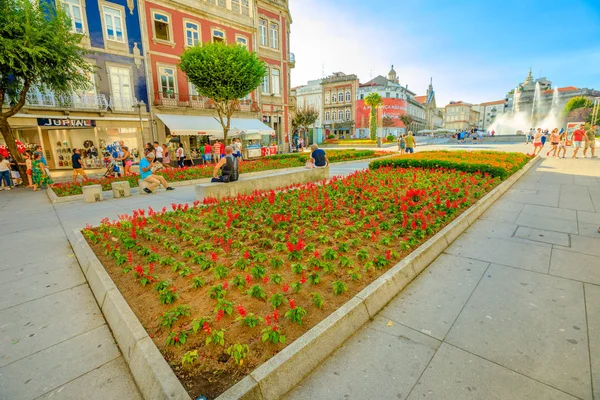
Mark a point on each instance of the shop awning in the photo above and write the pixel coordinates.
(204, 125)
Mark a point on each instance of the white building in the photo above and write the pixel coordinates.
(310, 95)
(489, 112)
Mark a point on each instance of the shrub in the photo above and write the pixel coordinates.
(331, 136)
(391, 138)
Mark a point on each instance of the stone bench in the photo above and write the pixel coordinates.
(247, 185)
(121, 189)
(92, 193)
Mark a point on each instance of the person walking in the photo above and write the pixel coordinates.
(77, 167)
(127, 161)
(544, 136)
(401, 144)
(562, 143)
(591, 142)
(152, 181)
(5, 173)
(217, 151)
(537, 142)
(207, 153)
(226, 169)
(166, 156)
(158, 152)
(180, 154)
(411, 143)
(579, 139)
(554, 141)
(40, 179)
(28, 165)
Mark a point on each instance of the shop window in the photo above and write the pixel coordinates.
(242, 41)
(348, 96)
(192, 34)
(262, 32)
(161, 27)
(120, 84)
(275, 81)
(167, 82)
(274, 33)
(265, 84)
(218, 36)
(113, 20)
(75, 12)
(341, 97)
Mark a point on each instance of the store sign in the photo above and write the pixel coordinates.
(388, 114)
(73, 123)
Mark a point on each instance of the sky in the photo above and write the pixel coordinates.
(475, 50)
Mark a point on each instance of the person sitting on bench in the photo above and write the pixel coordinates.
(153, 181)
(228, 166)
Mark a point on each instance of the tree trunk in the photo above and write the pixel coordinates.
(10, 140)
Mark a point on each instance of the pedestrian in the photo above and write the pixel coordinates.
(28, 163)
(77, 167)
(493, 132)
(180, 154)
(579, 139)
(537, 142)
(544, 137)
(148, 148)
(217, 151)
(5, 173)
(226, 169)
(207, 152)
(318, 158)
(158, 152)
(152, 181)
(591, 142)
(127, 160)
(411, 143)
(38, 149)
(554, 141)
(401, 144)
(40, 179)
(166, 156)
(15, 174)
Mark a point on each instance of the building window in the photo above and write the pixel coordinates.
(193, 91)
(75, 13)
(221, 3)
(167, 82)
(242, 41)
(327, 116)
(348, 96)
(341, 115)
(218, 36)
(362, 96)
(114, 24)
(265, 83)
(235, 6)
(161, 27)
(348, 115)
(326, 99)
(274, 32)
(387, 94)
(192, 34)
(397, 95)
(262, 32)
(340, 97)
(275, 81)
(333, 97)
(245, 7)
(120, 85)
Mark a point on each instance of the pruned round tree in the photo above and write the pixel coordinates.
(224, 74)
(37, 48)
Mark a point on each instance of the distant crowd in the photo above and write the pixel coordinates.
(581, 138)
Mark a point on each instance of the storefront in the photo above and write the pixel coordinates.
(60, 135)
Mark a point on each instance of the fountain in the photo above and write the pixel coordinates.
(536, 104)
(552, 120)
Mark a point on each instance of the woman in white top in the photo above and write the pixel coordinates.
(4, 173)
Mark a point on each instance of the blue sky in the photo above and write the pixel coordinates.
(475, 50)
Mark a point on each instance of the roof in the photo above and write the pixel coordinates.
(421, 99)
(491, 103)
(458, 103)
(562, 89)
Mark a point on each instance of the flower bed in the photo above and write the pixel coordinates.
(205, 171)
(221, 288)
(498, 164)
(355, 142)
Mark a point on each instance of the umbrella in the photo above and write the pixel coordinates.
(424, 131)
(443, 130)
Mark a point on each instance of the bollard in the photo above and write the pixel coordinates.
(121, 189)
(92, 193)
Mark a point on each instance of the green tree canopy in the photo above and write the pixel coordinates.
(305, 117)
(575, 103)
(37, 48)
(406, 120)
(223, 73)
(373, 101)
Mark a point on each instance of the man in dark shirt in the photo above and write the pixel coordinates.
(227, 166)
(318, 157)
(77, 167)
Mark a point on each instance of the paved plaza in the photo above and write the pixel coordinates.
(511, 310)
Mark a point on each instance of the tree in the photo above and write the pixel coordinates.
(305, 117)
(406, 120)
(575, 103)
(37, 48)
(373, 101)
(224, 74)
(579, 115)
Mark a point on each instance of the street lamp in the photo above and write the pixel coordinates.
(139, 104)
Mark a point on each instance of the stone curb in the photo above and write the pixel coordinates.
(273, 379)
(284, 371)
(151, 372)
(54, 199)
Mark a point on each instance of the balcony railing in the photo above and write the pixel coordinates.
(122, 103)
(37, 98)
(174, 100)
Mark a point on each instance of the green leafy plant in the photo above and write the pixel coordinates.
(217, 337)
(272, 334)
(296, 315)
(276, 300)
(339, 287)
(257, 291)
(239, 352)
(198, 282)
(189, 357)
(317, 300)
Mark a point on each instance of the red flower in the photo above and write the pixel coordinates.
(241, 310)
(275, 328)
(139, 270)
(213, 256)
(316, 254)
(206, 328)
(266, 279)
(226, 285)
(276, 315)
(292, 303)
(388, 255)
(285, 287)
(268, 320)
(290, 247)
(248, 279)
(220, 315)
(129, 257)
(303, 280)
(246, 254)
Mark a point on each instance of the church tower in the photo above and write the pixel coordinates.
(392, 76)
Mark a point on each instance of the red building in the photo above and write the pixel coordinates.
(262, 26)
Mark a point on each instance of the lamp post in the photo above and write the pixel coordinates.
(139, 104)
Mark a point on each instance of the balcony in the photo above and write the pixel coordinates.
(73, 101)
(122, 104)
(292, 61)
(198, 102)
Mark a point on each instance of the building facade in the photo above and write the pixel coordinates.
(339, 104)
(311, 95)
(489, 112)
(261, 26)
(460, 116)
(433, 118)
(108, 110)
